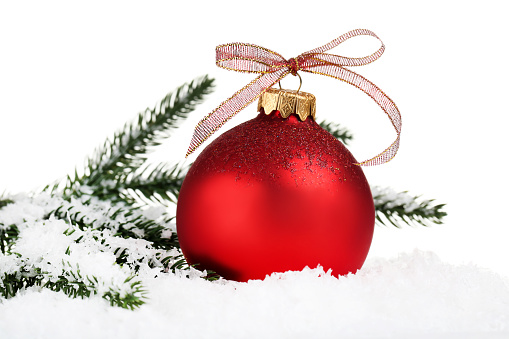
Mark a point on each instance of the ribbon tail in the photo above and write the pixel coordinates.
(385, 103)
(350, 61)
(230, 107)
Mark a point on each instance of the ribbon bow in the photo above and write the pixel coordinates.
(272, 67)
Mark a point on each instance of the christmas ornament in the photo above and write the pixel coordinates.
(278, 192)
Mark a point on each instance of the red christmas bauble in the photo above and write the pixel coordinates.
(275, 194)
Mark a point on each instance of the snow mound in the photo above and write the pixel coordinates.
(415, 295)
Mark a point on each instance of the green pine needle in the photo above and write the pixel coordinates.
(401, 208)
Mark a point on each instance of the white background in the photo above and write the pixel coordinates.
(72, 74)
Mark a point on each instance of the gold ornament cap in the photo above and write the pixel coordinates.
(288, 102)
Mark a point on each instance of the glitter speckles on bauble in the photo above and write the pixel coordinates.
(275, 194)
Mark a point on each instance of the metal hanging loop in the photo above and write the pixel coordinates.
(300, 83)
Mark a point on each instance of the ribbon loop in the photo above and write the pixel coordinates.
(272, 67)
(248, 58)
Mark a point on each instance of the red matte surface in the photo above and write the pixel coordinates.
(273, 195)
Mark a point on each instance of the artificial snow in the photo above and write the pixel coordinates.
(415, 295)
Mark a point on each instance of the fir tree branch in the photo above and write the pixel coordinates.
(130, 300)
(402, 208)
(73, 284)
(100, 208)
(71, 281)
(124, 221)
(338, 132)
(121, 157)
(161, 185)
